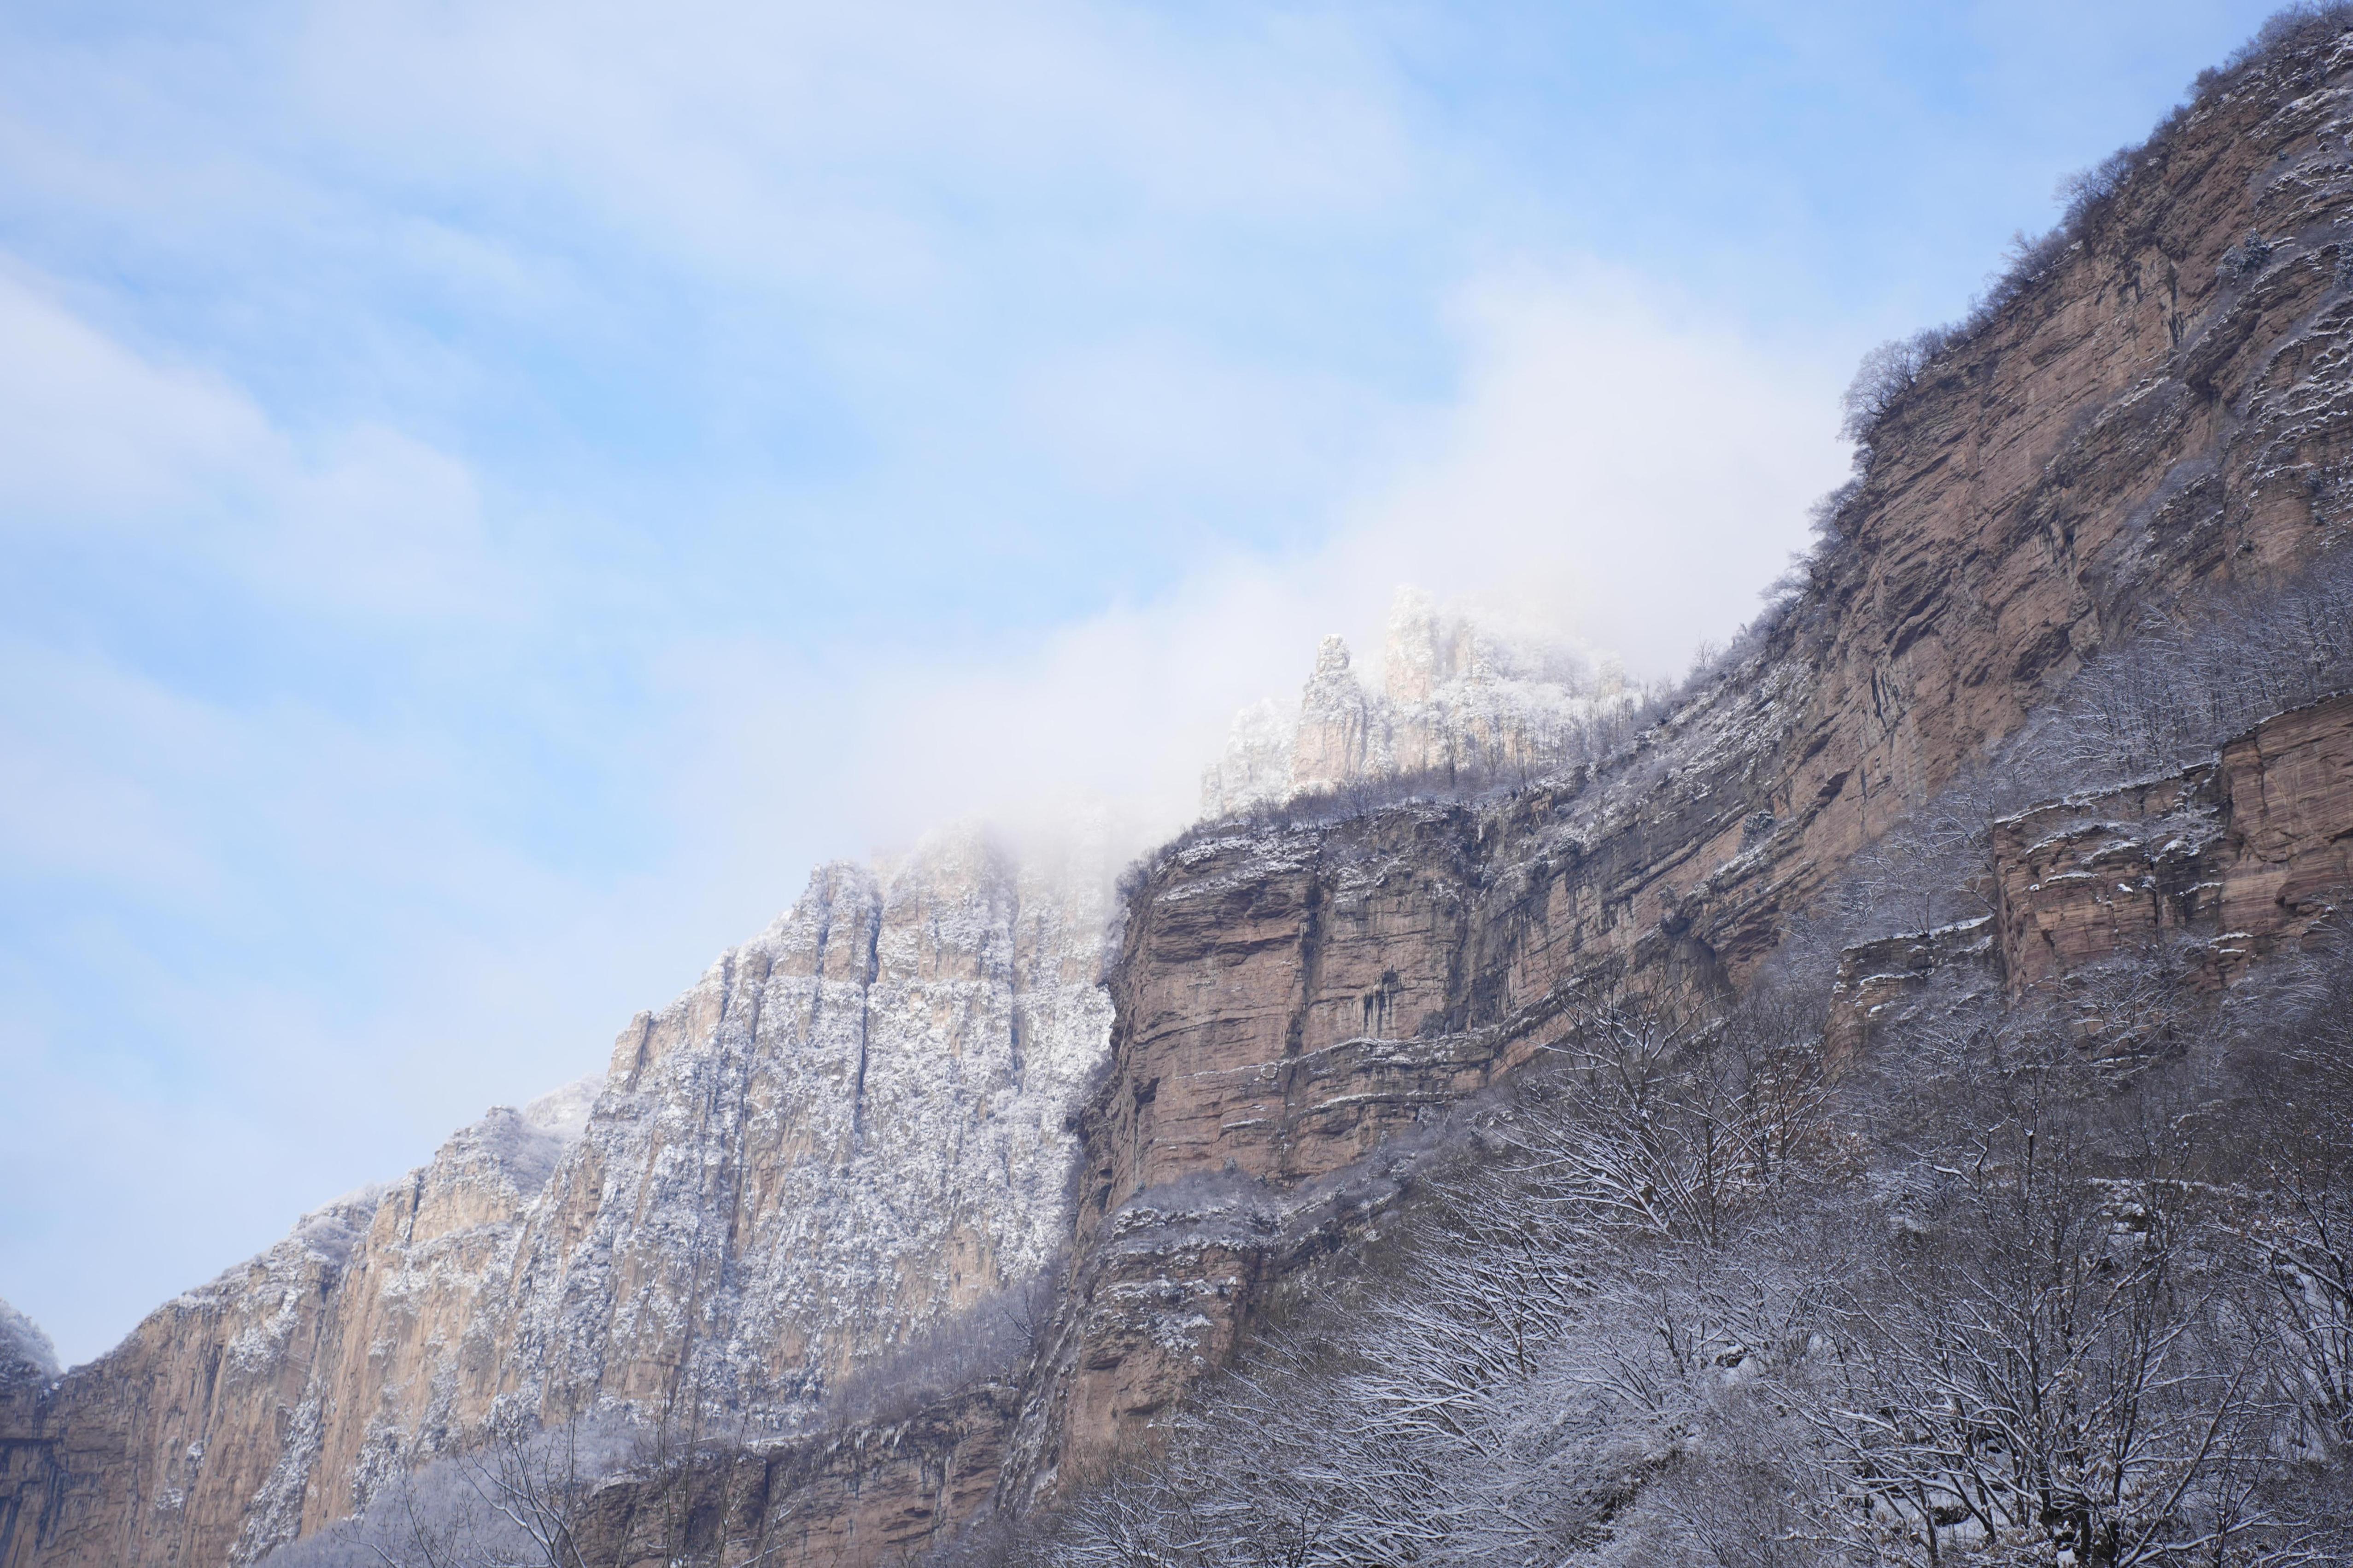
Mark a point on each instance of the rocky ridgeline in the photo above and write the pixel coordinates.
(27, 1357)
(1300, 1001)
(1458, 699)
(28, 1364)
(862, 1120)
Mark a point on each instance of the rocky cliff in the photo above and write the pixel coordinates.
(2216, 866)
(859, 1120)
(28, 1364)
(853, 1125)
(2244, 853)
(2159, 402)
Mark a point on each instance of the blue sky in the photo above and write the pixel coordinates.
(490, 494)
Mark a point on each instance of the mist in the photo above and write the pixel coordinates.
(1615, 472)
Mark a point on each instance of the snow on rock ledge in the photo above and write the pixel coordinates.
(854, 1123)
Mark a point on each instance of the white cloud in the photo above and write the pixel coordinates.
(1613, 468)
(1618, 467)
(98, 442)
(778, 141)
(87, 428)
(1147, 417)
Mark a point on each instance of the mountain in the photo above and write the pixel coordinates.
(2059, 689)
(853, 1124)
(1460, 699)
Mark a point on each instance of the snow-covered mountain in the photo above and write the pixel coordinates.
(1457, 697)
(874, 1113)
(853, 1125)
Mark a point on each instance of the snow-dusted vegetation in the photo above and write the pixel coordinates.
(26, 1353)
(1697, 1296)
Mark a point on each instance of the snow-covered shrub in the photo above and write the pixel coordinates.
(1881, 381)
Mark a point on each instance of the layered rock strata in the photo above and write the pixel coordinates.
(2167, 404)
(1887, 977)
(852, 1126)
(28, 1364)
(2243, 854)
(2230, 861)
(883, 1491)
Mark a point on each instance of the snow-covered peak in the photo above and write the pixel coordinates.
(853, 1123)
(26, 1353)
(1458, 694)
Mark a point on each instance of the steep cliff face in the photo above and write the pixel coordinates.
(855, 1123)
(26, 1356)
(2243, 855)
(2165, 403)
(175, 1445)
(883, 1491)
(28, 1364)
(2220, 866)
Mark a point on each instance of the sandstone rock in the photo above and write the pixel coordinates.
(2158, 409)
(26, 1356)
(2245, 853)
(882, 1493)
(28, 1363)
(854, 1124)
(1876, 978)
(2163, 406)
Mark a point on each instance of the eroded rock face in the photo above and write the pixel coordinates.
(175, 1445)
(852, 1125)
(2242, 855)
(855, 1123)
(28, 1363)
(2228, 862)
(880, 1492)
(26, 1356)
(1885, 977)
(2167, 405)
